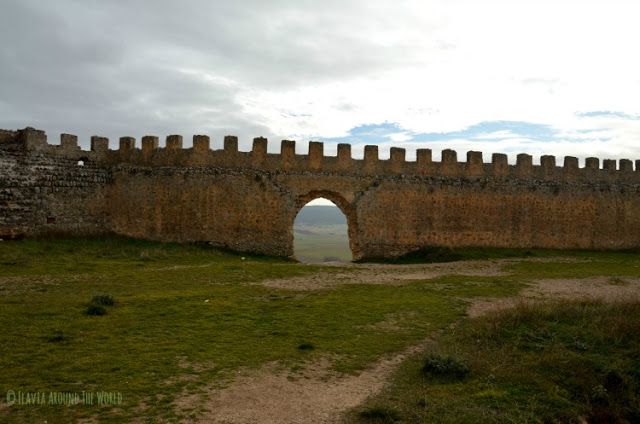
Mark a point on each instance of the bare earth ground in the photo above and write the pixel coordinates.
(603, 288)
(314, 395)
(318, 395)
(386, 274)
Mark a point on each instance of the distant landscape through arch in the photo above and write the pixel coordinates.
(321, 233)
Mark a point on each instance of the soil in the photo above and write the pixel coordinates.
(386, 274)
(595, 288)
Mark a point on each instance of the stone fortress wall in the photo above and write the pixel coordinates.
(247, 201)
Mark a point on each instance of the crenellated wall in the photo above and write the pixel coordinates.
(248, 200)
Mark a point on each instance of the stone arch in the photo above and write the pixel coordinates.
(347, 208)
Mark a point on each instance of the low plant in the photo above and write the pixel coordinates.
(57, 337)
(98, 303)
(306, 346)
(95, 310)
(103, 300)
(445, 367)
(380, 414)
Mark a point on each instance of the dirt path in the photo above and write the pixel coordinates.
(318, 395)
(314, 395)
(386, 274)
(608, 289)
(349, 273)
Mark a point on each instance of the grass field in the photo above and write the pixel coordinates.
(557, 363)
(188, 317)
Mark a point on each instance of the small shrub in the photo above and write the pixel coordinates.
(95, 310)
(57, 337)
(599, 395)
(306, 346)
(380, 414)
(103, 299)
(617, 281)
(614, 382)
(446, 367)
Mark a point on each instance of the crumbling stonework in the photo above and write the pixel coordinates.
(247, 201)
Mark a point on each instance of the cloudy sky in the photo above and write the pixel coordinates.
(556, 77)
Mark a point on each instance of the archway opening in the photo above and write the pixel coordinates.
(321, 233)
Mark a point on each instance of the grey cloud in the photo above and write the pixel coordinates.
(135, 67)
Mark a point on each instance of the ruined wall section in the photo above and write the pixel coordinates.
(238, 210)
(248, 200)
(405, 214)
(44, 190)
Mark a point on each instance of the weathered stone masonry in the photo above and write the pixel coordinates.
(247, 201)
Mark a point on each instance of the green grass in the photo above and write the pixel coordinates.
(553, 363)
(587, 264)
(187, 317)
(188, 310)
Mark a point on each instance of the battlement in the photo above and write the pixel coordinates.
(149, 154)
(248, 201)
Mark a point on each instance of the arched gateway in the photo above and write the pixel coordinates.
(247, 201)
(345, 207)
